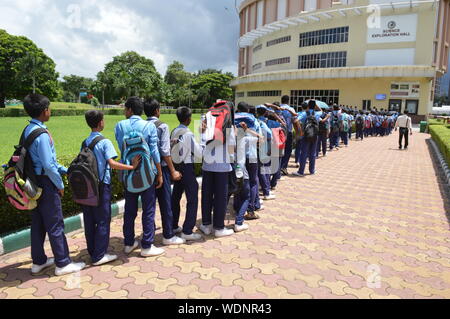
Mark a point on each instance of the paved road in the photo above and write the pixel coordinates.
(370, 224)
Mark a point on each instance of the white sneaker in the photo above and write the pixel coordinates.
(152, 251)
(223, 232)
(129, 249)
(191, 237)
(206, 229)
(260, 208)
(239, 228)
(106, 259)
(70, 268)
(179, 230)
(175, 240)
(36, 269)
(270, 197)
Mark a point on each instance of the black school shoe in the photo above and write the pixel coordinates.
(251, 216)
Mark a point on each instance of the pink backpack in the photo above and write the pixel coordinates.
(19, 179)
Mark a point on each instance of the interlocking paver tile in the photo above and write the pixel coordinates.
(182, 292)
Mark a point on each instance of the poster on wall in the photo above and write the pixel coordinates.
(396, 28)
(405, 89)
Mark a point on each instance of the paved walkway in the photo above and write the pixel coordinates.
(370, 224)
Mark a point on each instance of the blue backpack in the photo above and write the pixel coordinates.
(134, 144)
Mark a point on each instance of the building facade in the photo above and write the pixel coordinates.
(363, 53)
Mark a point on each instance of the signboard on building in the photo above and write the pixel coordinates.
(396, 28)
(380, 97)
(405, 89)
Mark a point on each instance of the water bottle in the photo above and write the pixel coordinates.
(239, 172)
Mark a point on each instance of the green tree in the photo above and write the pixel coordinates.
(176, 75)
(209, 87)
(24, 68)
(74, 84)
(131, 74)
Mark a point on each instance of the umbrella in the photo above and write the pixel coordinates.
(322, 105)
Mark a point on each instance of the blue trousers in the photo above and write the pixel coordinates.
(334, 140)
(241, 202)
(287, 150)
(298, 150)
(264, 178)
(47, 218)
(344, 137)
(308, 151)
(164, 195)
(214, 198)
(359, 133)
(97, 222)
(189, 185)
(252, 169)
(321, 144)
(275, 177)
(148, 198)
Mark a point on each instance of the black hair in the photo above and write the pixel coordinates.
(252, 109)
(183, 114)
(35, 104)
(406, 112)
(151, 106)
(304, 106)
(285, 99)
(312, 104)
(336, 107)
(93, 118)
(243, 107)
(135, 104)
(261, 111)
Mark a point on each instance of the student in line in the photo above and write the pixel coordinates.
(264, 152)
(359, 124)
(185, 152)
(335, 127)
(97, 220)
(290, 116)
(47, 218)
(164, 194)
(298, 147)
(134, 108)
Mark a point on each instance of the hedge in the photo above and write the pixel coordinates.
(441, 135)
(12, 220)
(77, 112)
(436, 122)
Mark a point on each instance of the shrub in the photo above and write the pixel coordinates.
(441, 135)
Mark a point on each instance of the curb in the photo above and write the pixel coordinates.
(442, 161)
(22, 239)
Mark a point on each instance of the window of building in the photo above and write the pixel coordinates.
(257, 66)
(257, 48)
(328, 96)
(240, 94)
(310, 5)
(323, 60)
(279, 40)
(263, 93)
(260, 13)
(326, 36)
(282, 8)
(278, 61)
(367, 104)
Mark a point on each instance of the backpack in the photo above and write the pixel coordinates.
(20, 180)
(311, 127)
(359, 122)
(335, 128)
(343, 125)
(385, 124)
(219, 119)
(279, 137)
(323, 126)
(134, 144)
(83, 175)
(368, 122)
(176, 139)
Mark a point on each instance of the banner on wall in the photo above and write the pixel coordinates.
(396, 28)
(405, 89)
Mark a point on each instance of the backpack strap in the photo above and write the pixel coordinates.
(33, 136)
(94, 142)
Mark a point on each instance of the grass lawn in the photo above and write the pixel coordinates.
(60, 105)
(68, 133)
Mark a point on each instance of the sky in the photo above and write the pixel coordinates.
(81, 36)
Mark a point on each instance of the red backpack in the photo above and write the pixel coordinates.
(279, 137)
(222, 112)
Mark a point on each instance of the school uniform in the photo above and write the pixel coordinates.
(350, 124)
(241, 200)
(264, 157)
(184, 156)
(289, 118)
(298, 147)
(323, 137)
(47, 218)
(344, 135)
(252, 167)
(309, 149)
(360, 130)
(216, 168)
(334, 135)
(97, 220)
(148, 196)
(276, 158)
(164, 194)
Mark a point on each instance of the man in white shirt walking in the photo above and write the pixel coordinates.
(404, 123)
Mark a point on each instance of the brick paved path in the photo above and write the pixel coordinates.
(370, 208)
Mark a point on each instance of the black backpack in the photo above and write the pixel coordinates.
(359, 122)
(335, 124)
(311, 127)
(83, 176)
(323, 126)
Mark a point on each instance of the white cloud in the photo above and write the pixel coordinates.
(82, 36)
